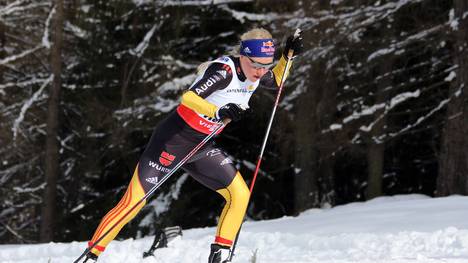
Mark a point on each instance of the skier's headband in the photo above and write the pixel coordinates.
(258, 48)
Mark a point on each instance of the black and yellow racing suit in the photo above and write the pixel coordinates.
(220, 83)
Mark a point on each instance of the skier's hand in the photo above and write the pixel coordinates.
(230, 111)
(295, 44)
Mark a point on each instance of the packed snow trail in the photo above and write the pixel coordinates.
(399, 229)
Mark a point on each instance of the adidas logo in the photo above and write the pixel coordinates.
(247, 50)
(225, 161)
(152, 180)
(222, 73)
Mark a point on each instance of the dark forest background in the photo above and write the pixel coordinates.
(376, 105)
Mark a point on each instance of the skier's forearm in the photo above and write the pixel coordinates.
(198, 104)
(279, 69)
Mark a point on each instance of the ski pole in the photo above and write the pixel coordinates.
(155, 187)
(265, 139)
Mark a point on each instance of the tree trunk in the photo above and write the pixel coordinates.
(375, 147)
(306, 193)
(375, 162)
(52, 144)
(453, 163)
(314, 177)
(326, 111)
(2, 47)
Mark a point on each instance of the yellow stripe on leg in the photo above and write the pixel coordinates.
(237, 197)
(133, 194)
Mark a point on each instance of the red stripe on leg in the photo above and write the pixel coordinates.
(100, 248)
(223, 241)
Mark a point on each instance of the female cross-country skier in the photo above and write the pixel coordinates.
(221, 90)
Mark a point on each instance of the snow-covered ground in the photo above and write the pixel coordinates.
(403, 229)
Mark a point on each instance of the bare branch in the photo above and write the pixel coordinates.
(28, 104)
(204, 2)
(140, 49)
(45, 36)
(21, 55)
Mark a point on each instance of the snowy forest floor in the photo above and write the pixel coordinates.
(403, 229)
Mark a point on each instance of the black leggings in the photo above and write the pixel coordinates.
(171, 141)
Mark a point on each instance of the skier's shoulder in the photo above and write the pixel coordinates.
(229, 60)
(222, 67)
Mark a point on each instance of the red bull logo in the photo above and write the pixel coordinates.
(268, 47)
(268, 44)
(166, 158)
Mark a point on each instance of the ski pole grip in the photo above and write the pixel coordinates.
(226, 121)
(297, 33)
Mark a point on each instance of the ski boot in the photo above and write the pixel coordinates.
(90, 258)
(216, 253)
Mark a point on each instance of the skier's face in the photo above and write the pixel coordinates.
(255, 68)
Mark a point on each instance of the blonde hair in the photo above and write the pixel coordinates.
(255, 33)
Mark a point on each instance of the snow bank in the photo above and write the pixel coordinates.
(403, 229)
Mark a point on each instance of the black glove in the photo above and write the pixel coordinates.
(294, 44)
(231, 110)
